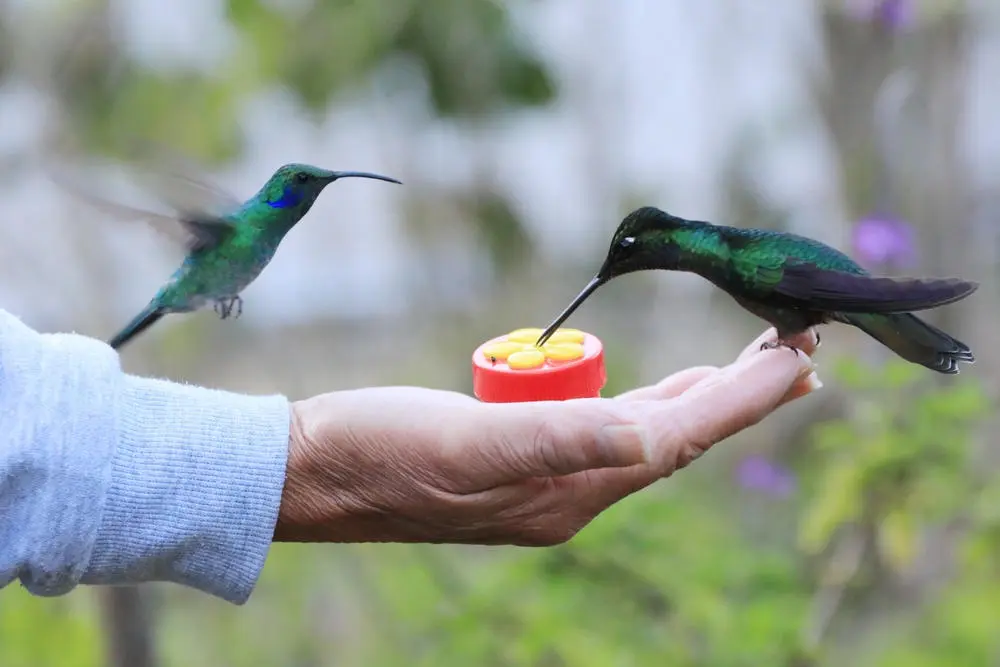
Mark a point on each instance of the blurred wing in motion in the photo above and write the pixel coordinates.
(180, 183)
(197, 219)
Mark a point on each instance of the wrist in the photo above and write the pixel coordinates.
(314, 501)
(293, 510)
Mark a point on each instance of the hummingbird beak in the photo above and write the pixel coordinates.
(335, 175)
(591, 287)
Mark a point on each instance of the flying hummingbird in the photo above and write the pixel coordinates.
(790, 281)
(227, 248)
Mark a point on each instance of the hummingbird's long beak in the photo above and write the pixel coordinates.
(594, 283)
(334, 175)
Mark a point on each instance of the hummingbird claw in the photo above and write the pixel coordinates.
(224, 307)
(775, 344)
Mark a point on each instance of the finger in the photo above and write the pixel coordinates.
(802, 387)
(754, 347)
(517, 441)
(808, 342)
(805, 341)
(722, 405)
(669, 387)
(679, 382)
(728, 372)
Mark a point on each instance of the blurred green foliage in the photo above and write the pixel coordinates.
(468, 54)
(901, 460)
(44, 632)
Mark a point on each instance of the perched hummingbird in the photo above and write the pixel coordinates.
(227, 250)
(790, 281)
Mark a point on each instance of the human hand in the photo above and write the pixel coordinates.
(405, 464)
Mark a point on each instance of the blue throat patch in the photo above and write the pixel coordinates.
(289, 198)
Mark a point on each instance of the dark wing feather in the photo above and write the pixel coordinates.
(205, 234)
(824, 289)
(191, 228)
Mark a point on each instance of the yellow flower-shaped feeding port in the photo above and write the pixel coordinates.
(517, 350)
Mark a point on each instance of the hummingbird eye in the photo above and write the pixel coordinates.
(302, 177)
(626, 242)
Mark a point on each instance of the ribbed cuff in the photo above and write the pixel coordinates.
(196, 486)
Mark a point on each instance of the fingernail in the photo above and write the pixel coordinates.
(813, 382)
(807, 366)
(802, 388)
(629, 438)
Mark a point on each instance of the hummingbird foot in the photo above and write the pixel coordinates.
(775, 344)
(224, 307)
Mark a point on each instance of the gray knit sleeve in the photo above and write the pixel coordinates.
(107, 478)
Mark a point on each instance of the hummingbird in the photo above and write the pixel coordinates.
(792, 282)
(228, 248)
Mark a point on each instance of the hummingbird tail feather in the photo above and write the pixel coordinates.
(147, 318)
(914, 340)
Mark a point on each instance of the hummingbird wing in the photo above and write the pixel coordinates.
(202, 209)
(181, 184)
(194, 225)
(840, 291)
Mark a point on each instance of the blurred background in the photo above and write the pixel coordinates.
(858, 526)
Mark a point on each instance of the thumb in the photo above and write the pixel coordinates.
(548, 439)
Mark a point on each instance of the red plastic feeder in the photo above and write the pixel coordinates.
(511, 369)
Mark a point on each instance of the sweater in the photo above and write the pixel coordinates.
(110, 478)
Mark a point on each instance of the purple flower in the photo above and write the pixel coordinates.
(891, 14)
(882, 240)
(756, 473)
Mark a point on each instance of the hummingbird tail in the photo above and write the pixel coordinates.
(147, 318)
(914, 340)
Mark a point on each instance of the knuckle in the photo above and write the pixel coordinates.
(687, 455)
(544, 446)
(693, 435)
(696, 433)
